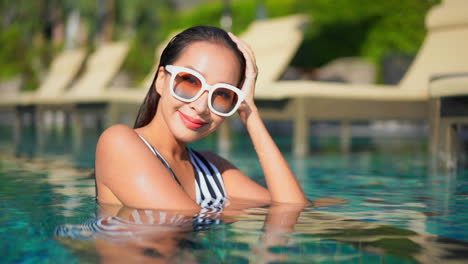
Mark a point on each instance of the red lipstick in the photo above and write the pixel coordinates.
(191, 122)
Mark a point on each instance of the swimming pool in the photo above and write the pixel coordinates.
(399, 210)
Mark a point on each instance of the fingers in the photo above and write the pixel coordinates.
(247, 51)
(251, 72)
(244, 48)
(251, 67)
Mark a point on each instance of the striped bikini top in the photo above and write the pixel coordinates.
(141, 222)
(209, 184)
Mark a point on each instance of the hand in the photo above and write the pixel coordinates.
(251, 72)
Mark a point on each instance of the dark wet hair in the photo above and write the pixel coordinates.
(172, 52)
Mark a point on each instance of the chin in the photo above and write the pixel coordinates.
(189, 137)
(186, 135)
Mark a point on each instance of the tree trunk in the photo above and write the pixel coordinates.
(108, 27)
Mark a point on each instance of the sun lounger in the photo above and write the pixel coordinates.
(448, 114)
(274, 42)
(101, 68)
(270, 62)
(137, 94)
(443, 52)
(62, 71)
(455, 84)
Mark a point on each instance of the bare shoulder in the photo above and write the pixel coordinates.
(117, 134)
(128, 172)
(117, 145)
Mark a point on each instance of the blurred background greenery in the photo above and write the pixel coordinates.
(32, 32)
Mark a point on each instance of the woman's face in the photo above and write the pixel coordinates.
(192, 121)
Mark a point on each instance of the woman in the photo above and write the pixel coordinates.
(204, 76)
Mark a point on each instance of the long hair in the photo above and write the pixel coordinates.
(170, 54)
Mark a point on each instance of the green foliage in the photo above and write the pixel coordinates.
(11, 60)
(387, 231)
(277, 8)
(400, 247)
(139, 60)
(338, 28)
(369, 29)
(156, 23)
(402, 31)
(17, 31)
(243, 13)
(151, 22)
(329, 41)
(208, 14)
(17, 58)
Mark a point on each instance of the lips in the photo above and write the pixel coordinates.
(191, 122)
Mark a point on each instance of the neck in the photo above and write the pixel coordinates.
(158, 134)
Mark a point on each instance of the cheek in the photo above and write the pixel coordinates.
(168, 105)
(169, 101)
(216, 122)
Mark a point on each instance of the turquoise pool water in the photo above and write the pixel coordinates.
(399, 209)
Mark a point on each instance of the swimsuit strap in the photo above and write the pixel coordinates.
(210, 188)
(209, 184)
(161, 158)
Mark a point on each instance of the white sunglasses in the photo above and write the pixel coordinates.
(188, 85)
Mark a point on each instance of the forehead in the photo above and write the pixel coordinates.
(216, 62)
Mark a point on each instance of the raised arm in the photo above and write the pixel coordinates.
(282, 184)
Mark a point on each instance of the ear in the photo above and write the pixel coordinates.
(160, 81)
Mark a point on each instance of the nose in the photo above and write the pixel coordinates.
(201, 104)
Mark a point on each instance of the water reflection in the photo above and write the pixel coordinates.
(127, 234)
(395, 202)
(66, 143)
(256, 235)
(277, 233)
(131, 235)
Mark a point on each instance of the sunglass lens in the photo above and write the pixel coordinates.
(223, 100)
(186, 85)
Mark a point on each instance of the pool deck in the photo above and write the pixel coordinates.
(419, 96)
